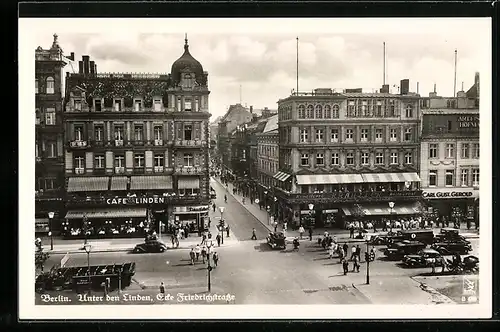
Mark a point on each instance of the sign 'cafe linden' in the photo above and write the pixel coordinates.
(135, 200)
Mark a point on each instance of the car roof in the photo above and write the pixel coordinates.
(450, 229)
(430, 251)
(417, 231)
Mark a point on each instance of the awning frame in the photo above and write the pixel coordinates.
(87, 183)
(108, 213)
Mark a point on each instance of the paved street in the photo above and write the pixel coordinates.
(255, 274)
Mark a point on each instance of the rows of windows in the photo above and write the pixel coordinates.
(467, 150)
(47, 149)
(48, 119)
(139, 162)
(49, 86)
(186, 131)
(268, 165)
(468, 177)
(350, 158)
(270, 150)
(319, 111)
(349, 135)
(47, 183)
(285, 112)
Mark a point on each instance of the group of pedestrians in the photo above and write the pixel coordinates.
(203, 251)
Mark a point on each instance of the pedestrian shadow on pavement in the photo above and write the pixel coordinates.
(321, 259)
(333, 263)
(340, 274)
(184, 264)
(316, 250)
(263, 247)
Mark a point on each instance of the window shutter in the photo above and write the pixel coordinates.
(178, 130)
(180, 160)
(197, 130)
(196, 160)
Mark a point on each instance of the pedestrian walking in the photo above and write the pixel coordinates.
(345, 266)
(330, 251)
(358, 251)
(254, 235)
(203, 238)
(301, 231)
(227, 230)
(285, 228)
(197, 251)
(275, 226)
(345, 247)
(341, 254)
(355, 264)
(243, 200)
(162, 288)
(215, 258)
(203, 253)
(351, 231)
(218, 238)
(353, 252)
(209, 222)
(310, 233)
(225, 198)
(192, 255)
(213, 206)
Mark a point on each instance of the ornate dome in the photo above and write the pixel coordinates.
(186, 63)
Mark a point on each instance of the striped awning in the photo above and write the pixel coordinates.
(41, 221)
(281, 176)
(107, 213)
(390, 177)
(328, 179)
(119, 183)
(385, 210)
(188, 183)
(151, 182)
(90, 183)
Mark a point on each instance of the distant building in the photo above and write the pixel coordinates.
(345, 156)
(450, 155)
(267, 160)
(49, 151)
(136, 149)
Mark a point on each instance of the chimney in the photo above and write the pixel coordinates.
(95, 68)
(476, 78)
(251, 109)
(417, 88)
(80, 67)
(72, 56)
(92, 67)
(405, 87)
(385, 88)
(86, 69)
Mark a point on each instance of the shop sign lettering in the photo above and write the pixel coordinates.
(449, 194)
(468, 121)
(135, 200)
(348, 196)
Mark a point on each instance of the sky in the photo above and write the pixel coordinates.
(255, 60)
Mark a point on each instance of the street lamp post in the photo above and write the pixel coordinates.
(88, 248)
(391, 205)
(311, 208)
(209, 267)
(275, 212)
(367, 257)
(268, 209)
(51, 216)
(221, 209)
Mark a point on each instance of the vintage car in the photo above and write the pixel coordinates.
(422, 235)
(276, 240)
(451, 248)
(424, 258)
(398, 250)
(150, 246)
(450, 235)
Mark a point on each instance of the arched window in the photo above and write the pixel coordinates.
(319, 112)
(50, 85)
(328, 111)
(310, 111)
(335, 111)
(302, 112)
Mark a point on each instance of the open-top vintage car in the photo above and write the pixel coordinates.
(277, 240)
(424, 258)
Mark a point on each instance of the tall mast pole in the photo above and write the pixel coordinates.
(297, 65)
(455, 77)
(384, 64)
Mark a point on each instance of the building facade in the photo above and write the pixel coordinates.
(49, 152)
(450, 156)
(136, 150)
(347, 155)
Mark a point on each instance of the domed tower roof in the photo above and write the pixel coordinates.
(186, 63)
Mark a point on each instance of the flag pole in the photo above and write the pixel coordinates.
(297, 65)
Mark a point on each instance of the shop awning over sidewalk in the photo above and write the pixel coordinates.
(281, 176)
(188, 183)
(89, 183)
(390, 177)
(107, 213)
(385, 210)
(119, 183)
(151, 182)
(328, 179)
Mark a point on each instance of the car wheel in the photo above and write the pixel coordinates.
(162, 249)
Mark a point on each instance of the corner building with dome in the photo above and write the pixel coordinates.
(136, 150)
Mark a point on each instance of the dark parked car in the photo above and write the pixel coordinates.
(398, 250)
(424, 258)
(150, 246)
(450, 235)
(451, 248)
(277, 240)
(422, 235)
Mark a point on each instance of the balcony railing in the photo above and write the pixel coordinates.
(79, 170)
(118, 142)
(138, 170)
(158, 142)
(138, 142)
(78, 144)
(190, 143)
(355, 196)
(186, 170)
(159, 169)
(119, 170)
(99, 171)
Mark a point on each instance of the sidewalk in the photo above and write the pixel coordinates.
(342, 234)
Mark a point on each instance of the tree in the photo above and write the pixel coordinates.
(40, 259)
